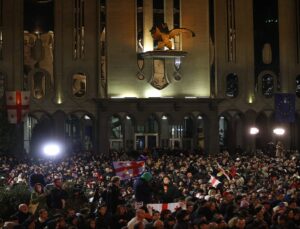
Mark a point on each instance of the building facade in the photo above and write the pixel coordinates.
(97, 84)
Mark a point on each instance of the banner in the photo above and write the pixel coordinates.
(167, 206)
(285, 107)
(17, 105)
(128, 169)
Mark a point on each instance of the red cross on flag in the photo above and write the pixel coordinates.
(17, 104)
(167, 206)
(128, 169)
(214, 181)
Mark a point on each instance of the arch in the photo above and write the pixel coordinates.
(239, 128)
(263, 138)
(165, 123)
(224, 131)
(129, 130)
(79, 84)
(267, 83)
(152, 124)
(88, 131)
(29, 125)
(298, 86)
(202, 125)
(232, 85)
(39, 81)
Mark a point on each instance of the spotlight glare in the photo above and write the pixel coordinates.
(254, 130)
(51, 149)
(279, 131)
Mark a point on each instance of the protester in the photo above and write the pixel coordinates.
(38, 199)
(142, 189)
(251, 191)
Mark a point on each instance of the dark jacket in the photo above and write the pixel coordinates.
(142, 191)
(170, 195)
(55, 198)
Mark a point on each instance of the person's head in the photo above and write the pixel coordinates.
(240, 223)
(92, 223)
(58, 182)
(60, 222)
(121, 209)
(140, 214)
(166, 180)
(158, 224)
(23, 208)
(43, 214)
(102, 209)
(155, 215)
(116, 180)
(38, 188)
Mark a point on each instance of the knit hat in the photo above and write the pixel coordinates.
(146, 176)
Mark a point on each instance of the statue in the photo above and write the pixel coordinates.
(163, 35)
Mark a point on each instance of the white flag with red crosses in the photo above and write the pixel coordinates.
(17, 105)
(167, 206)
(128, 169)
(214, 181)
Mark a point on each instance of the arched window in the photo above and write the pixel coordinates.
(267, 85)
(29, 124)
(79, 84)
(188, 131)
(232, 85)
(116, 127)
(152, 125)
(72, 132)
(223, 126)
(39, 84)
(298, 85)
(188, 127)
(87, 132)
(200, 133)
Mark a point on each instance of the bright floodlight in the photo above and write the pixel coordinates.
(51, 149)
(279, 131)
(254, 130)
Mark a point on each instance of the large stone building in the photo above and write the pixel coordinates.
(96, 83)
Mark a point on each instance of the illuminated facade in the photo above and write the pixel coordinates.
(93, 86)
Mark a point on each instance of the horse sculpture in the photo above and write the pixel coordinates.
(163, 35)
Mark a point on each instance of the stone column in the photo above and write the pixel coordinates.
(287, 44)
(213, 133)
(148, 23)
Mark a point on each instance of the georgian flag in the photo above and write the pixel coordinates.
(167, 206)
(128, 169)
(17, 104)
(214, 181)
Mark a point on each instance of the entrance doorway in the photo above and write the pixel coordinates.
(143, 141)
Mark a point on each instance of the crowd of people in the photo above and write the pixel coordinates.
(83, 191)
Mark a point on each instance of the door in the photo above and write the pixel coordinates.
(148, 141)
